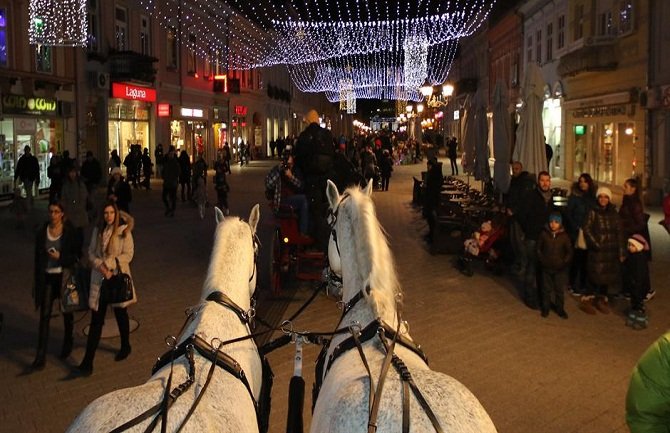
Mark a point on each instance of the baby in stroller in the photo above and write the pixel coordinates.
(482, 244)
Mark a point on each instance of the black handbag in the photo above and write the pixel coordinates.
(118, 288)
(74, 290)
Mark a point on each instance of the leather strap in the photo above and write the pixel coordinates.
(376, 402)
(223, 300)
(405, 407)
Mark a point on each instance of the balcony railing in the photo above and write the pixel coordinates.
(599, 53)
(131, 66)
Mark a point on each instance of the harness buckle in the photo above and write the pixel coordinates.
(171, 341)
(355, 328)
(216, 347)
(287, 327)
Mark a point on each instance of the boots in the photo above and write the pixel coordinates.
(42, 341)
(602, 305)
(68, 322)
(94, 334)
(586, 305)
(123, 322)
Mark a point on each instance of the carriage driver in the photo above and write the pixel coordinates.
(284, 184)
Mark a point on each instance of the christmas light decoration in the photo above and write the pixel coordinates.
(250, 34)
(57, 23)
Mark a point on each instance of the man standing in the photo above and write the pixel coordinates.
(28, 171)
(520, 186)
(533, 216)
(170, 182)
(431, 199)
(158, 157)
(314, 156)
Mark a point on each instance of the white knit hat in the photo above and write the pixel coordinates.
(603, 190)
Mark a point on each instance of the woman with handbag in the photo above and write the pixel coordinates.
(110, 253)
(581, 200)
(55, 251)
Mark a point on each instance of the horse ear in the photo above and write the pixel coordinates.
(218, 215)
(254, 216)
(333, 194)
(368, 188)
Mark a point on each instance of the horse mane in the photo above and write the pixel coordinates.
(228, 262)
(376, 263)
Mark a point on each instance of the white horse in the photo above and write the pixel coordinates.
(359, 253)
(226, 406)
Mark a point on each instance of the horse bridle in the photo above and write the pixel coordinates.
(332, 215)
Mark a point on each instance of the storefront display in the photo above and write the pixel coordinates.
(27, 122)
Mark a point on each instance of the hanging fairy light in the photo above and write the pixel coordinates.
(266, 33)
(57, 23)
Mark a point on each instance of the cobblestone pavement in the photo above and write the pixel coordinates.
(531, 374)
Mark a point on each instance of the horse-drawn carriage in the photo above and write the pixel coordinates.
(371, 333)
(292, 253)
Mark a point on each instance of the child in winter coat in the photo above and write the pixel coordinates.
(221, 186)
(635, 274)
(554, 252)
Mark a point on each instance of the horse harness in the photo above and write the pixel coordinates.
(377, 328)
(187, 348)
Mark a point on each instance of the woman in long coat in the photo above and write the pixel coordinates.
(112, 241)
(582, 199)
(55, 252)
(605, 243)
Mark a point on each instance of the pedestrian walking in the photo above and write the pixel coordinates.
(185, 176)
(55, 178)
(222, 188)
(74, 197)
(452, 153)
(28, 172)
(111, 251)
(118, 190)
(171, 177)
(554, 252)
(147, 169)
(158, 156)
(55, 251)
(114, 161)
(385, 169)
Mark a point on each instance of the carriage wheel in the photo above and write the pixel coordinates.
(276, 265)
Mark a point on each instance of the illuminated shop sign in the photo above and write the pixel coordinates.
(19, 104)
(164, 110)
(191, 112)
(580, 129)
(241, 110)
(135, 93)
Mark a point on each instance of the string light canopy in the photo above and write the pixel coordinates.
(246, 34)
(57, 23)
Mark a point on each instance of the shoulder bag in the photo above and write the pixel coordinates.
(118, 288)
(74, 291)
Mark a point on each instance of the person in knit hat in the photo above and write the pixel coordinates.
(554, 252)
(605, 245)
(635, 276)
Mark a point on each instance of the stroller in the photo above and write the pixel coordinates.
(483, 244)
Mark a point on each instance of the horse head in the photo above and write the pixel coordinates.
(358, 251)
(234, 255)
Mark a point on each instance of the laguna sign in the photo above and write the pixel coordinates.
(135, 93)
(19, 104)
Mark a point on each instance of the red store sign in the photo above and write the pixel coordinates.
(135, 93)
(241, 110)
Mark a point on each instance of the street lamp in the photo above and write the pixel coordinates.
(439, 99)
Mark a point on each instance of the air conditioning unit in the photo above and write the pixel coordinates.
(99, 80)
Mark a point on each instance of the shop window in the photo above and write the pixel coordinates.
(192, 60)
(560, 43)
(43, 59)
(121, 29)
(578, 22)
(605, 24)
(3, 37)
(550, 41)
(145, 36)
(538, 47)
(625, 17)
(93, 36)
(172, 55)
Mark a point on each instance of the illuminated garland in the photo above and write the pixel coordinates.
(57, 23)
(246, 35)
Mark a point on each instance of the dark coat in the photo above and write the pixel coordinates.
(386, 165)
(68, 257)
(579, 205)
(534, 214)
(434, 180)
(122, 191)
(634, 220)
(519, 187)
(554, 250)
(171, 172)
(605, 243)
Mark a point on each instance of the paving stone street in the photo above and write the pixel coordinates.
(532, 375)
